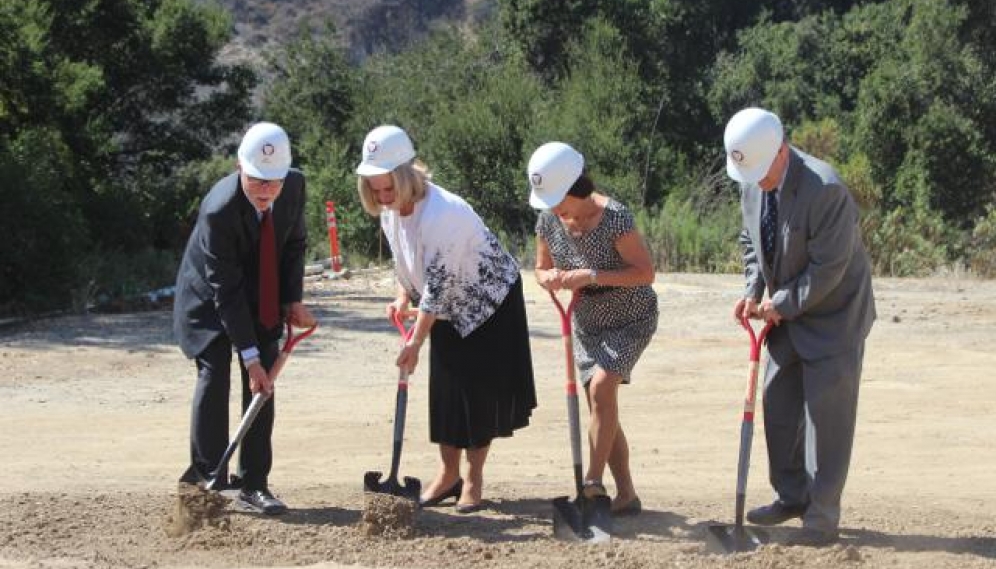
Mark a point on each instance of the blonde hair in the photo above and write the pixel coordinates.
(410, 182)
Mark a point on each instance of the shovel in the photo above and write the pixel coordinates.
(258, 400)
(583, 519)
(412, 487)
(738, 538)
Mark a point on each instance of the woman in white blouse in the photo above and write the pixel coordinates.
(469, 296)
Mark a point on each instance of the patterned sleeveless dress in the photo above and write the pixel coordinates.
(612, 325)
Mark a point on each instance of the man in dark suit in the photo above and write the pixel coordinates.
(802, 242)
(242, 273)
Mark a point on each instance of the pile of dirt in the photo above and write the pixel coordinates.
(388, 516)
(194, 509)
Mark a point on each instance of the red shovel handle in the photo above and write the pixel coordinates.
(399, 323)
(289, 344)
(756, 339)
(292, 340)
(565, 314)
(406, 334)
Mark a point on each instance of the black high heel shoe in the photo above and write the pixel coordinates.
(453, 492)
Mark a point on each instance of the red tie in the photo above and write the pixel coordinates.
(269, 305)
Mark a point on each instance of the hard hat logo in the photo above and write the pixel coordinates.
(268, 149)
(372, 146)
(737, 156)
(536, 179)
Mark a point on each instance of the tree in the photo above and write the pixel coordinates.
(131, 90)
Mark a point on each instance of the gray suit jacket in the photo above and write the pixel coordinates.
(218, 281)
(820, 277)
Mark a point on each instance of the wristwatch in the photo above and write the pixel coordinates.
(594, 276)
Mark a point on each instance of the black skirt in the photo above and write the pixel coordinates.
(481, 386)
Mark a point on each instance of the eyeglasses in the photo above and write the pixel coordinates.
(259, 182)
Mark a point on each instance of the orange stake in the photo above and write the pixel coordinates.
(333, 237)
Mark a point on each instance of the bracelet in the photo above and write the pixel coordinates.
(594, 276)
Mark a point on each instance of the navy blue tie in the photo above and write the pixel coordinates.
(769, 224)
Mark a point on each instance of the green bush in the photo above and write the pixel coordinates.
(907, 242)
(684, 239)
(982, 258)
(45, 233)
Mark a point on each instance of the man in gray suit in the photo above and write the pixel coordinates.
(242, 273)
(802, 242)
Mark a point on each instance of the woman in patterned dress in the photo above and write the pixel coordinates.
(587, 242)
(468, 291)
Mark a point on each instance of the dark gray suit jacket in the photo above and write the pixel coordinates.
(218, 281)
(820, 278)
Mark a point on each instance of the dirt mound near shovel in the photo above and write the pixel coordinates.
(388, 516)
(195, 508)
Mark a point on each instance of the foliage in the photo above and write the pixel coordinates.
(119, 115)
(597, 109)
(123, 93)
(45, 230)
(311, 94)
(683, 238)
(982, 259)
(908, 242)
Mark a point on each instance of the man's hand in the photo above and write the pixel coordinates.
(745, 308)
(259, 380)
(768, 312)
(299, 316)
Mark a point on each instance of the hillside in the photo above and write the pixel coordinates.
(364, 26)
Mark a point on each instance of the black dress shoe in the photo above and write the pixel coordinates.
(812, 537)
(777, 512)
(633, 508)
(469, 508)
(262, 501)
(453, 492)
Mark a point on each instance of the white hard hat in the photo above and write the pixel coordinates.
(553, 169)
(265, 152)
(384, 149)
(752, 139)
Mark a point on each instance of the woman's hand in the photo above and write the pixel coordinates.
(549, 279)
(398, 307)
(408, 357)
(577, 278)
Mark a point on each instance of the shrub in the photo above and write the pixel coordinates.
(982, 259)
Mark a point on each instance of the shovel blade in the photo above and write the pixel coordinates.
(724, 538)
(411, 489)
(571, 522)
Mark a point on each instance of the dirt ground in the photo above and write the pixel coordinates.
(94, 414)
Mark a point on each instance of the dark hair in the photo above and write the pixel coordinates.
(583, 186)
